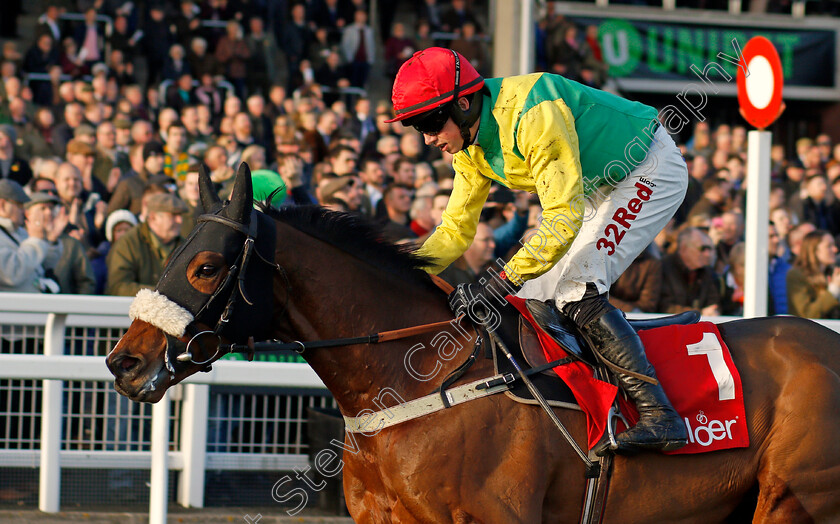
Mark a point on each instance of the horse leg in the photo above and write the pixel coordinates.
(799, 473)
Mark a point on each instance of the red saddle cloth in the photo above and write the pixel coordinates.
(696, 371)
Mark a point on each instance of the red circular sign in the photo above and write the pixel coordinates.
(760, 93)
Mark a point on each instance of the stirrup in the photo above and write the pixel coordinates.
(608, 443)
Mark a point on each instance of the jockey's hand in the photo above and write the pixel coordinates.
(481, 301)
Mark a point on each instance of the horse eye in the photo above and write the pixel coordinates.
(206, 271)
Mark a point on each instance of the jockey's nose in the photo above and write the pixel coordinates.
(429, 139)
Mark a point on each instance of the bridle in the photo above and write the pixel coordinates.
(230, 290)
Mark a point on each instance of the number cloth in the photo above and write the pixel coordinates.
(699, 376)
(695, 369)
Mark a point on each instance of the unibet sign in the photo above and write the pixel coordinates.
(642, 49)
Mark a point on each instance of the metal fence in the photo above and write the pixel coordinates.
(60, 416)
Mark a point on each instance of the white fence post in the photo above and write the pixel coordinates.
(194, 410)
(757, 258)
(159, 490)
(49, 494)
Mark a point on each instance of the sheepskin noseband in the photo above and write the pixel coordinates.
(154, 308)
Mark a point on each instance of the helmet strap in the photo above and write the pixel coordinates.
(465, 119)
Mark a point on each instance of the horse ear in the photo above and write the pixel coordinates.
(206, 189)
(242, 198)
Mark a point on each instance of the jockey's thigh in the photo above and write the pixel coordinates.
(618, 224)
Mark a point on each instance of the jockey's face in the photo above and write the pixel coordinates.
(447, 139)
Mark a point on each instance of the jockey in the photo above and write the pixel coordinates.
(608, 176)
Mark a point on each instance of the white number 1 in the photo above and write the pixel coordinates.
(710, 347)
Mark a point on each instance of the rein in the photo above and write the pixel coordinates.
(299, 347)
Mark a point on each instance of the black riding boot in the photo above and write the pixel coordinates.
(659, 426)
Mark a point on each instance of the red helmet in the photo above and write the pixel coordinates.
(428, 80)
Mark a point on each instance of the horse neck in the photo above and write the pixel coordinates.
(336, 295)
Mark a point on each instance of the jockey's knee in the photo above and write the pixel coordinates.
(591, 307)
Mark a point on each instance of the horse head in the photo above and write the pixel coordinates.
(203, 297)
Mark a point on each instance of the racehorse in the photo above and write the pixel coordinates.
(313, 274)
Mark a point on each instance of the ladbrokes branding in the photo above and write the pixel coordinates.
(704, 431)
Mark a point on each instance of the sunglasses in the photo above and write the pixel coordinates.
(432, 123)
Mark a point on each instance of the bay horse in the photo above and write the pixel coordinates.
(315, 274)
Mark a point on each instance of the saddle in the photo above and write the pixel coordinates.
(522, 341)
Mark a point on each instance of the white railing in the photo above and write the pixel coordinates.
(58, 312)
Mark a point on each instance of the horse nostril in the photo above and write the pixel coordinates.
(127, 364)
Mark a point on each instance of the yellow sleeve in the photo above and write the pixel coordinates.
(547, 139)
(460, 219)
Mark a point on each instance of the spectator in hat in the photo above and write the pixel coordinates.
(122, 137)
(12, 167)
(329, 185)
(137, 259)
(352, 193)
(72, 271)
(86, 133)
(26, 244)
(146, 161)
(117, 224)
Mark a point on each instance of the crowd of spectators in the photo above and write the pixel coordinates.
(100, 165)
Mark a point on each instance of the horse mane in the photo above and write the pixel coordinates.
(357, 236)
